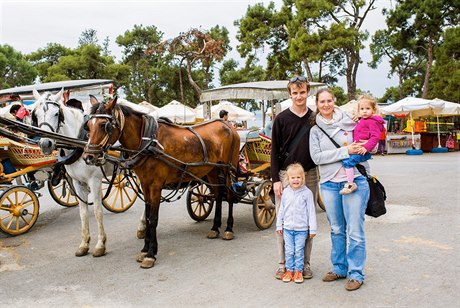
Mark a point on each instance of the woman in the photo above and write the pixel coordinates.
(345, 213)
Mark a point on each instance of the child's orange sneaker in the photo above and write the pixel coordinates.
(298, 277)
(287, 277)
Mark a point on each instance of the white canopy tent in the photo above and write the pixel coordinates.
(415, 107)
(148, 106)
(257, 90)
(235, 113)
(450, 109)
(176, 112)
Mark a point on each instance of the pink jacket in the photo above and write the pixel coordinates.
(369, 129)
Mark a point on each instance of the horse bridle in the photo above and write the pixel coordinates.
(116, 119)
(45, 108)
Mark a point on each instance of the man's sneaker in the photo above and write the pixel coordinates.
(280, 272)
(298, 277)
(287, 276)
(348, 188)
(353, 284)
(331, 276)
(307, 273)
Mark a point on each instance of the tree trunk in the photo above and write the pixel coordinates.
(429, 64)
(352, 70)
(190, 78)
(307, 70)
(401, 92)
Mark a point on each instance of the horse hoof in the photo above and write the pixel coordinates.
(228, 236)
(81, 252)
(140, 234)
(148, 262)
(141, 256)
(99, 252)
(213, 234)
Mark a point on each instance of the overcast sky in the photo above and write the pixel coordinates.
(30, 25)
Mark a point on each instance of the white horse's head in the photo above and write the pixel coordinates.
(48, 112)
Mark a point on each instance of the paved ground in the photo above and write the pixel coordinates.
(413, 254)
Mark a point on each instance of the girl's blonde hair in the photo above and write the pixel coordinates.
(294, 168)
(366, 98)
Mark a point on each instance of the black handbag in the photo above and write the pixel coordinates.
(377, 195)
(376, 204)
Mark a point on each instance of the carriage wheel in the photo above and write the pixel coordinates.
(18, 210)
(123, 193)
(62, 193)
(264, 211)
(200, 201)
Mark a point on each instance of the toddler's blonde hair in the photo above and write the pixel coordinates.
(366, 98)
(294, 168)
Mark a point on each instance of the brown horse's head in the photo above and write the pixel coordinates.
(104, 128)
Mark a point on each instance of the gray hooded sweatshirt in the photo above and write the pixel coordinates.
(324, 153)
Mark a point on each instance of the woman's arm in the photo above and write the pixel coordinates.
(323, 151)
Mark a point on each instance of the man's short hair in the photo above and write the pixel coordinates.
(298, 81)
(222, 113)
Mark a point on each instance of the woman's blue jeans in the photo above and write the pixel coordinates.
(345, 214)
(294, 245)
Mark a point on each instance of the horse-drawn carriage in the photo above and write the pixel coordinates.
(253, 186)
(24, 163)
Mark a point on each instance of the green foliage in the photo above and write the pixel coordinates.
(15, 70)
(340, 95)
(46, 57)
(306, 32)
(145, 55)
(445, 81)
(417, 26)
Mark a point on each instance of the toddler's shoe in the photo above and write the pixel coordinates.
(287, 277)
(348, 188)
(298, 277)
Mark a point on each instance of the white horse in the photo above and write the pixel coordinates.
(51, 114)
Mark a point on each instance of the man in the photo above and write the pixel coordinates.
(290, 143)
(223, 114)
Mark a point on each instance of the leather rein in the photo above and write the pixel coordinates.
(149, 145)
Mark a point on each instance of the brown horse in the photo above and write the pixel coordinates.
(166, 155)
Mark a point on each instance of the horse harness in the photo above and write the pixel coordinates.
(46, 104)
(150, 145)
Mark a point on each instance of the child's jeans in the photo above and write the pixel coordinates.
(294, 245)
(355, 159)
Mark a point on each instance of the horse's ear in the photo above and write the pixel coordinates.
(58, 97)
(36, 94)
(111, 103)
(93, 100)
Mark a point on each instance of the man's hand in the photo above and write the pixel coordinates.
(280, 232)
(311, 235)
(278, 189)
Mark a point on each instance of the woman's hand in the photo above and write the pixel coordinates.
(280, 232)
(278, 188)
(354, 148)
(311, 235)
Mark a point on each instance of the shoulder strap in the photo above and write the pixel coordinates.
(360, 168)
(333, 141)
(299, 136)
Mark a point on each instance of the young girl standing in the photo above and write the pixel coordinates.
(368, 128)
(296, 221)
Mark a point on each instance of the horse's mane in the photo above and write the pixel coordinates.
(126, 107)
(136, 107)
